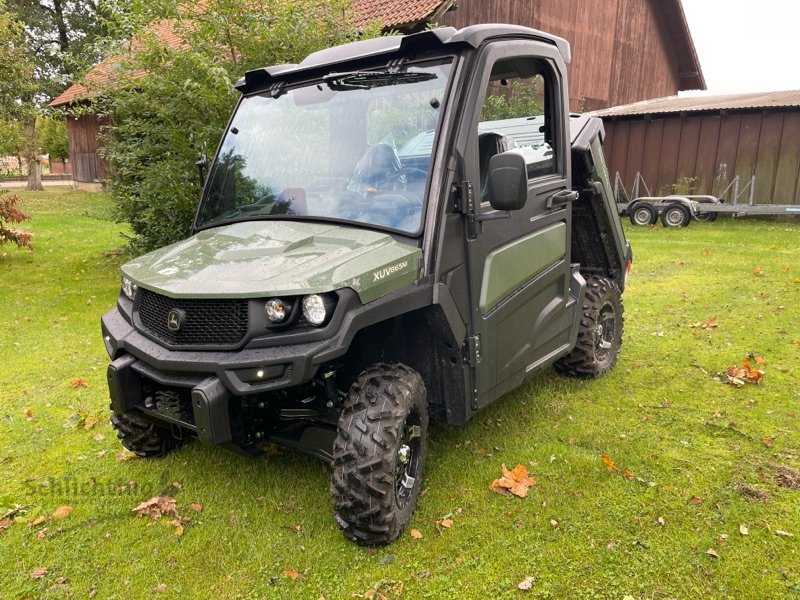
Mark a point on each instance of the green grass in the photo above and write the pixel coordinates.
(660, 414)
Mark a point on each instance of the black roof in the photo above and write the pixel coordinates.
(441, 37)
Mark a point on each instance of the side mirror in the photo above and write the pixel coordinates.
(508, 181)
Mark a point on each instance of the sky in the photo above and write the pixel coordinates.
(746, 45)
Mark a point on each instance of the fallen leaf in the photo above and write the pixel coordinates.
(767, 441)
(553, 523)
(62, 512)
(195, 507)
(161, 587)
(661, 521)
(758, 271)
(416, 534)
(783, 533)
(708, 324)
(291, 573)
(743, 529)
(695, 500)
(39, 572)
(5, 524)
(77, 382)
(38, 521)
(712, 552)
(448, 523)
(515, 481)
(178, 527)
(608, 462)
(157, 506)
(525, 584)
(28, 412)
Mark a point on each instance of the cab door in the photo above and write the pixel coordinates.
(518, 262)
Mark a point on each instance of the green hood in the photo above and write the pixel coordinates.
(277, 258)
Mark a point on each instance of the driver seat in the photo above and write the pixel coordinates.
(490, 143)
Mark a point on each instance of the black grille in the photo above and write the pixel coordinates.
(203, 322)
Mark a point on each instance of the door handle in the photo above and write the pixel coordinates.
(561, 198)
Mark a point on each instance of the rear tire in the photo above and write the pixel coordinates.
(643, 214)
(706, 217)
(379, 454)
(142, 437)
(675, 215)
(599, 333)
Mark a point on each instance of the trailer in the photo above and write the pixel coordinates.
(678, 210)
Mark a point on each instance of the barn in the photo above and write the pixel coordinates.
(623, 51)
(742, 144)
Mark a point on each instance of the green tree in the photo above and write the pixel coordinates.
(174, 102)
(53, 137)
(44, 44)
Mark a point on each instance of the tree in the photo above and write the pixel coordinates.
(172, 102)
(46, 43)
(53, 137)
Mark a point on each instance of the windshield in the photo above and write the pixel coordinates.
(337, 149)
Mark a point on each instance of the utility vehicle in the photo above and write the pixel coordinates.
(392, 231)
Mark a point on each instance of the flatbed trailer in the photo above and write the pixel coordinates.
(679, 210)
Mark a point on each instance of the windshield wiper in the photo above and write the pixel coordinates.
(365, 80)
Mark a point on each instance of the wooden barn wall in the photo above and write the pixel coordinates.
(620, 51)
(711, 149)
(83, 134)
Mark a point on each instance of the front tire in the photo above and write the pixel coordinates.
(142, 437)
(599, 333)
(379, 454)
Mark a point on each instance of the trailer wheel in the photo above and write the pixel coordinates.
(706, 217)
(599, 332)
(675, 215)
(379, 454)
(643, 214)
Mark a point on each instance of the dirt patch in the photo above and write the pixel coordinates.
(751, 492)
(787, 477)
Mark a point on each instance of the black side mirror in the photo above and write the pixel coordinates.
(508, 181)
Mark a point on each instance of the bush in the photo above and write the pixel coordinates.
(9, 213)
(162, 120)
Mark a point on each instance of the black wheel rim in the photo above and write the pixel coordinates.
(407, 459)
(605, 332)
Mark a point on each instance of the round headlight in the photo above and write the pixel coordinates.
(277, 310)
(129, 288)
(314, 309)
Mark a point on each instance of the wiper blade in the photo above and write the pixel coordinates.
(364, 80)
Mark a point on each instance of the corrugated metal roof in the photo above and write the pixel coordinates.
(392, 14)
(678, 104)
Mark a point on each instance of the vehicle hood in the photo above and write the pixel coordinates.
(275, 258)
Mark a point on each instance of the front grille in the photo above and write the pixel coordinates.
(203, 322)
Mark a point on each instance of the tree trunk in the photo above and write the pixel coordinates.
(30, 153)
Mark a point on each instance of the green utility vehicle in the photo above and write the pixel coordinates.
(392, 231)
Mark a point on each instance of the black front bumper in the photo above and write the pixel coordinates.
(202, 382)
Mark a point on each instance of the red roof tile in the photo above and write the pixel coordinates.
(391, 14)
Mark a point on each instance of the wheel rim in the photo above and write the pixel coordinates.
(407, 460)
(604, 332)
(674, 217)
(642, 216)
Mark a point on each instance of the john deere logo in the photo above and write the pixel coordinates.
(175, 319)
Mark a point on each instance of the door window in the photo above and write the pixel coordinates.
(517, 115)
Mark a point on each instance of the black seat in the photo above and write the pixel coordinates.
(489, 144)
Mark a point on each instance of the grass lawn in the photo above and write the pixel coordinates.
(703, 503)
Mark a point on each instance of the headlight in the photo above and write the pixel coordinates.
(277, 310)
(318, 309)
(129, 288)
